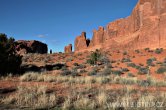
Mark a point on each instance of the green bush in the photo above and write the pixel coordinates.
(96, 57)
(66, 72)
(126, 60)
(9, 60)
(159, 50)
(143, 71)
(107, 71)
(125, 69)
(56, 68)
(137, 51)
(76, 64)
(117, 72)
(104, 60)
(149, 62)
(138, 67)
(163, 64)
(131, 65)
(125, 53)
(131, 75)
(147, 49)
(93, 72)
(161, 70)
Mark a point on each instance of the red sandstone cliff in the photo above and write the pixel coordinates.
(145, 27)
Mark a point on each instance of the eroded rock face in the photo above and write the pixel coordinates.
(68, 49)
(23, 47)
(145, 27)
(98, 37)
(81, 42)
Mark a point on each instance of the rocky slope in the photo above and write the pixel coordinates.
(145, 27)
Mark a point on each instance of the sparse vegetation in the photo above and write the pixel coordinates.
(97, 58)
(126, 60)
(149, 62)
(131, 65)
(78, 85)
(35, 97)
(125, 53)
(117, 72)
(159, 50)
(106, 71)
(161, 70)
(131, 75)
(30, 76)
(94, 58)
(143, 71)
(137, 51)
(93, 72)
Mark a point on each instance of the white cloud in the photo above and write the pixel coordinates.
(42, 35)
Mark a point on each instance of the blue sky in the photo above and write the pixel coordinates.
(58, 22)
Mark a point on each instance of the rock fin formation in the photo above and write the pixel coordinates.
(68, 49)
(145, 27)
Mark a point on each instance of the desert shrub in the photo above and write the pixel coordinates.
(105, 80)
(161, 70)
(158, 62)
(93, 72)
(117, 72)
(159, 50)
(66, 72)
(125, 69)
(154, 59)
(106, 71)
(138, 67)
(56, 68)
(125, 53)
(131, 75)
(9, 60)
(137, 51)
(76, 64)
(147, 49)
(131, 65)
(109, 66)
(96, 57)
(143, 71)
(80, 66)
(126, 60)
(113, 61)
(144, 83)
(104, 60)
(69, 59)
(64, 68)
(74, 72)
(34, 98)
(30, 76)
(149, 62)
(163, 64)
(140, 64)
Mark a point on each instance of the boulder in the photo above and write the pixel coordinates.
(23, 47)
